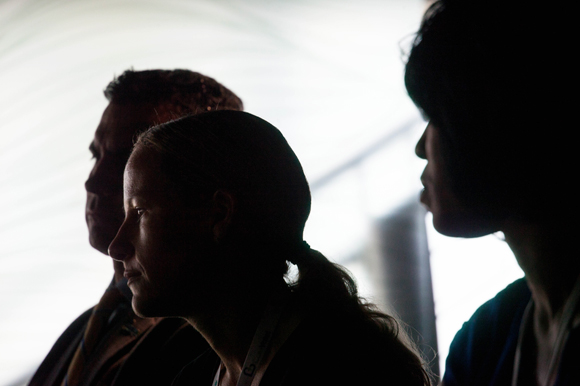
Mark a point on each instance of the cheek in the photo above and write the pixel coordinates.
(174, 247)
(443, 198)
(452, 217)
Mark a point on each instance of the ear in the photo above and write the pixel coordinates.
(225, 204)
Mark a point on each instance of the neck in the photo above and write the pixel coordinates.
(230, 325)
(545, 254)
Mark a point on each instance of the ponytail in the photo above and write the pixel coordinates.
(321, 284)
(327, 290)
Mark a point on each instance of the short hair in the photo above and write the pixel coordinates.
(495, 77)
(185, 91)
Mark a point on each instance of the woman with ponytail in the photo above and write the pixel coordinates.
(215, 210)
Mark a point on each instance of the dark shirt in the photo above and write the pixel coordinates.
(483, 351)
(133, 351)
(319, 353)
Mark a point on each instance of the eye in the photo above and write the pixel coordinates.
(139, 212)
(134, 214)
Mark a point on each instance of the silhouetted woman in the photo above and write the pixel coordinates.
(493, 78)
(215, 209)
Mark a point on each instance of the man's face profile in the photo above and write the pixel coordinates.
(111, 148)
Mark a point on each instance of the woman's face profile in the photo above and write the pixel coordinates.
(164, 243)
(451, 215)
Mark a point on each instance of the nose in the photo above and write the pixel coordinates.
(106, 178)
(420, 147)
(91, 185)
(121, 247)
(99, 181)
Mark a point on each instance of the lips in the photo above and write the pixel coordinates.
(131, 275)
(424, 197)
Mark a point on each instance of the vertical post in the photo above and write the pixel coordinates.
(403, 274)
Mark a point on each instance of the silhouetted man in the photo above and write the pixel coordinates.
(109, 344)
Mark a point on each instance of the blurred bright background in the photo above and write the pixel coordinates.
(327, 73)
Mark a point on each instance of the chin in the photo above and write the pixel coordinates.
(99, 241)
(148, 307)
(143, 308)
(458, 225)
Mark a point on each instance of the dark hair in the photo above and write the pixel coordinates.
(185, 92)
(494, 77)
(241, 153)
(249, 157)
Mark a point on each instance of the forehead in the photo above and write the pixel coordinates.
(120, 123)
(144, 177)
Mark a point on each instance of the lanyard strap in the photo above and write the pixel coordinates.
(216, 379)
(262, 338)
(563, 331)
(522, 332)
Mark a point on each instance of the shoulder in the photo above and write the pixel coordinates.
(78, 325)
(515, 293)
(495, 315)
(199, 371)
(61, 352)
(339, 352)
(485, 346)
(72, 334)
(161, 353)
